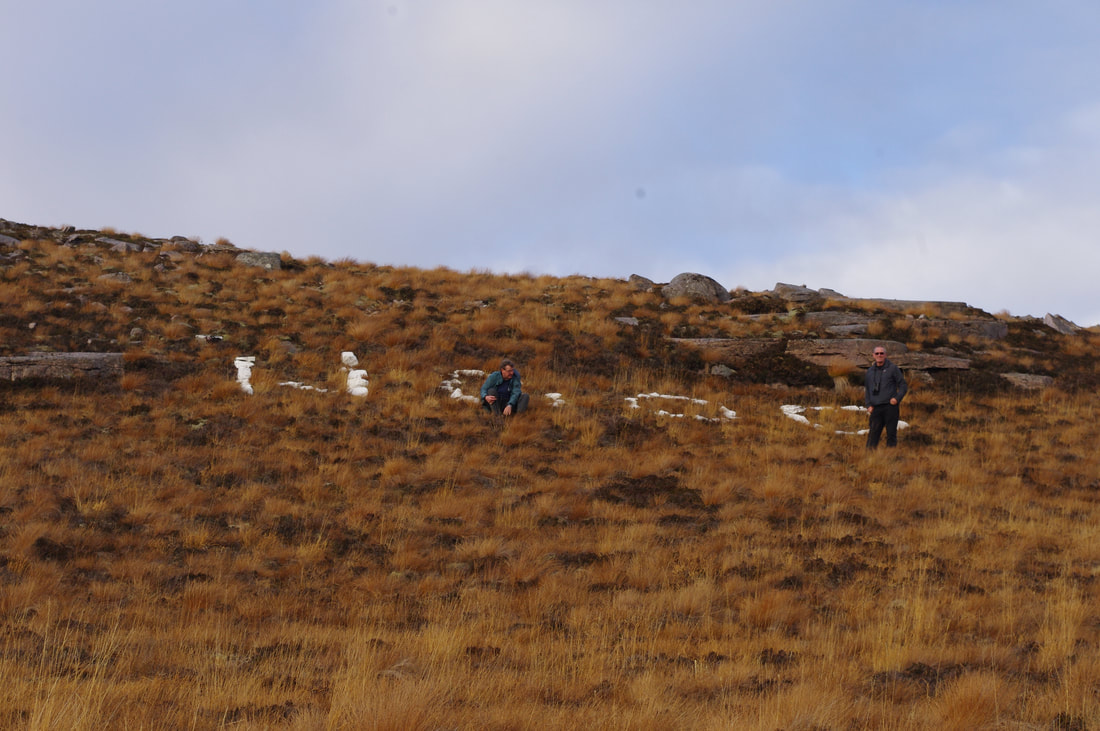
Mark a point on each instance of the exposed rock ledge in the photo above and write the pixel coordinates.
(825, 351)
(844, 323)
(1030, 381)
(65, 366)
(851, 323)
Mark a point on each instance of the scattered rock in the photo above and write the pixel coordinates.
(855, 323)
(836, 319)
(642, 283)
(824, 351)
(989, 329)
(63, 366)
(794, 292)
(266, 259)
(847, 330)
(1060, 324)
(119, 246)
(182, 243)
(721, 370)
(930, 361)
(696, 286)
(222, 245)
(918, 376)
(632, 321)
(8, 241)
(939, 306)
(733, 349)
(1030, 381)
(839, 323)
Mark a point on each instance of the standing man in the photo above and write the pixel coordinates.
(884, 389)
(502, 393)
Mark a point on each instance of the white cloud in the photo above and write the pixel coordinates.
(1016, 242)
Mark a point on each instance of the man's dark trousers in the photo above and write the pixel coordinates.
(883, 416)
(497, 407)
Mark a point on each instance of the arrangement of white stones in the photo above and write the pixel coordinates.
(357, 383)
(726, 414)
(794, 411)
(302, 386)
(454, 385)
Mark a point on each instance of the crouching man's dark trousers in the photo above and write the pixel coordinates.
(497, 407)
(885, 416)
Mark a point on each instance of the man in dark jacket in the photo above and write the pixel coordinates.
(884, 389)
(502, 393)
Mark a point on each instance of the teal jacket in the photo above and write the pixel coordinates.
(494, 380)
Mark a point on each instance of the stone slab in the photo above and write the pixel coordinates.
(732, 348)
(64, 366)
(1029, 381)
(826, 351)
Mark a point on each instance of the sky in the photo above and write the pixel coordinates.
(911, 149)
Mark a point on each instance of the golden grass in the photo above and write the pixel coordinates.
(177, 554)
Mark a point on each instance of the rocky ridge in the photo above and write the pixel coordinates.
(821, 329)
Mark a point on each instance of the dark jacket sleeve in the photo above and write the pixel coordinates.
(900, 386)
(516, 388)
(492, 381)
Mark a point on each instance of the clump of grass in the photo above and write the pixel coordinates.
(841, 369)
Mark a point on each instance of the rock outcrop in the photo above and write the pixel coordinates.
(1060, 324)
(1030, 381)
(826, 351)
(794, 292)
(933, 306)
(265, 259)
(696, 286)
(63, 366)
(857, 351)
(733, 350)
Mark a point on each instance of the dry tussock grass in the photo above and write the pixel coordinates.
(174, 553)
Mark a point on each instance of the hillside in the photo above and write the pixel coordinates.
(178, 553)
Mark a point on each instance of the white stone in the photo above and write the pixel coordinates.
(244, 365)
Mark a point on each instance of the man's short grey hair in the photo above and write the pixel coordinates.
(505, 363)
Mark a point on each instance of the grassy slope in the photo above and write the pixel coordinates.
(176, 554)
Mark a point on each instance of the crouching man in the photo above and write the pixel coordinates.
(502, 393)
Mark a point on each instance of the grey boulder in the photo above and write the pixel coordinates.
(696, 286)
